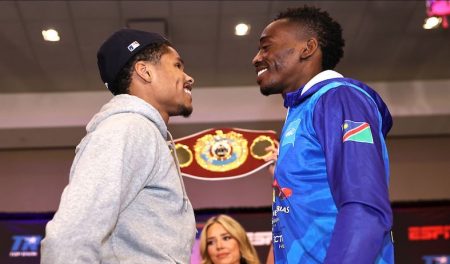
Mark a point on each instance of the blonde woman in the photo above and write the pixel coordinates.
(224, 241)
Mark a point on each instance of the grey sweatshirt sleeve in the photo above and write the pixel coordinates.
(111, 166)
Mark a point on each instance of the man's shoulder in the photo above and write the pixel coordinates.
(128, 125)
(128, 119)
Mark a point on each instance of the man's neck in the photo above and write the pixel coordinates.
(306, 74)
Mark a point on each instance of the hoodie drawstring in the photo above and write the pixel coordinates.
(172, 147)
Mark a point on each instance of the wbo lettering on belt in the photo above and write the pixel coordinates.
(224, 153)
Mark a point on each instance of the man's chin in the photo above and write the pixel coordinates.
(186, 111)
(187, 114)
(268, 90)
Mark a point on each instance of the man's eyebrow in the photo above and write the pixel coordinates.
(180, 60)
(264, 38)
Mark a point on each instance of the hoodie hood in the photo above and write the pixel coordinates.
(125, 103)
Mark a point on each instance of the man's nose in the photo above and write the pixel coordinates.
(189, 79)
(256, 59)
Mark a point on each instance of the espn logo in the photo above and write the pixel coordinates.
(429, 232)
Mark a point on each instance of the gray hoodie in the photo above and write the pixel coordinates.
(125, 201)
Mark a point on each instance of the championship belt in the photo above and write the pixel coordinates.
(224, 153)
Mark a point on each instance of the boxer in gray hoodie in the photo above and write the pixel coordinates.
(125, 201)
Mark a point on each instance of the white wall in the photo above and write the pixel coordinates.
(38, 133)
(32, 180)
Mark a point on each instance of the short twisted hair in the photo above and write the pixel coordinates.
(151, 53)
(327, 31)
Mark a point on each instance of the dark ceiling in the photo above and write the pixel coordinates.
(384, 40)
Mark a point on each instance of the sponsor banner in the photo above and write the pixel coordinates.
(421, 232)
(21, 236)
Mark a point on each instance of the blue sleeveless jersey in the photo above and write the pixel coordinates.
(331, 202)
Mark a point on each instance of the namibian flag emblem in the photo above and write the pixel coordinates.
(357, 131)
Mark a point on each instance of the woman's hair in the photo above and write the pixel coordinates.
(248, 252)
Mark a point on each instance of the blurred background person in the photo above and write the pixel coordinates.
(224, 241)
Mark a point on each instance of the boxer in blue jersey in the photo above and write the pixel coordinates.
(331, 200)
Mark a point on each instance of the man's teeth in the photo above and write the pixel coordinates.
(261, 71)
(186, 90)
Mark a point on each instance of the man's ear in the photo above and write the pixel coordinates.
(309, 49)
(143, 70)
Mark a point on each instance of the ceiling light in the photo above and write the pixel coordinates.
(50, 35)
(432, 22)
(241, 29)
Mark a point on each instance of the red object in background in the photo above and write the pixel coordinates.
(439, 8)
(250, 166)
(429, 232)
